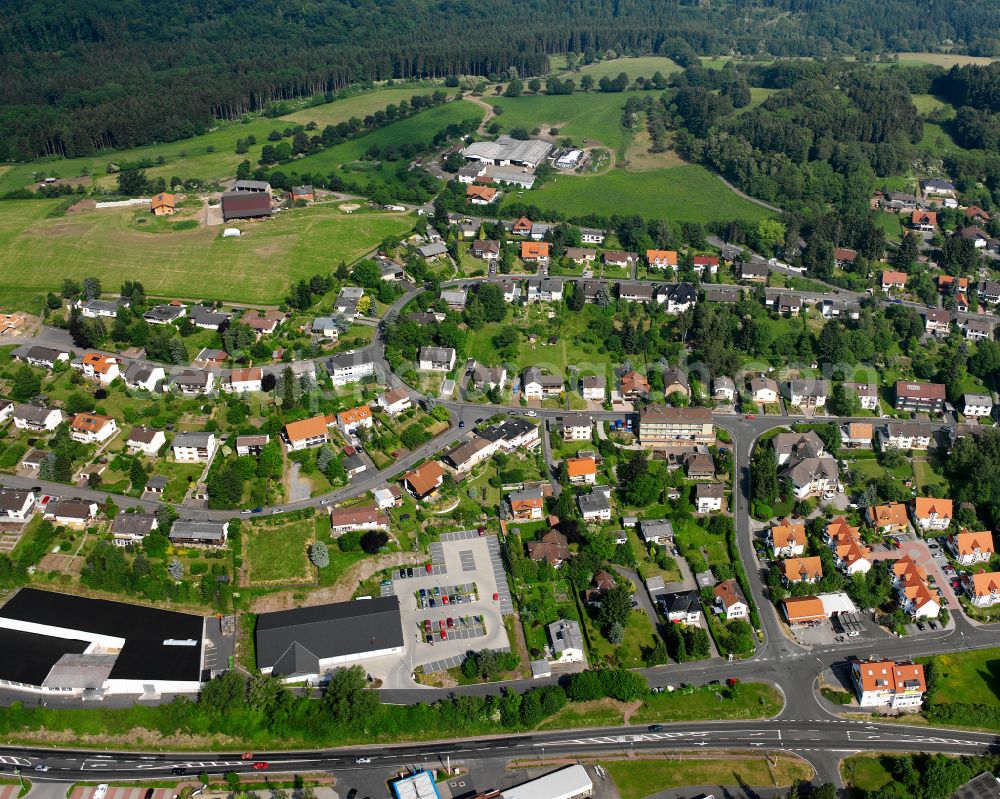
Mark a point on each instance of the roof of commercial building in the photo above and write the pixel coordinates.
(804, 608)
(156, 641)
(529, 151)
(567, 782)
(327, 631)
(36, 655)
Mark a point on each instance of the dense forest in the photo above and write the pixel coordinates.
(77, 76)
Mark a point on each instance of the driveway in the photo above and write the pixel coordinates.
(641, 595)
(464, 561)
(921, 554)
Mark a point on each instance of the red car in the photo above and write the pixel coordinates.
(444, 636)
(732, 681)
(443, 624)
(248, 756)
(482, 531)
(444, 599)
(260, 765)
(750, 417)
(429, 568)
(427, 625)
(451, 622)
(496, 597)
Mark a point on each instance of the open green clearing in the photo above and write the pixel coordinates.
(970, 677)
(639, 778)
(361, 104)
(585, 117)
(865, 772)
(748, 700)
(37, 253)
(643, 66)
(690, 193)
(211, 156)
(278, 552)
(419, 128)
(751, 700)
(945, 60)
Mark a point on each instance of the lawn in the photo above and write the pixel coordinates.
(639, 778)
(211, 156)
(420, 128)
(864, 772)
(180, 475)
(639, 636)
(945, 60)
(969, 677)
(586, 117)
(277, 553)
(259, 266)
(360, 105)
(748, 700)
(643, 66)
(689, 193)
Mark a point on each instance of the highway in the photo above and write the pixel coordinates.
(822, 741)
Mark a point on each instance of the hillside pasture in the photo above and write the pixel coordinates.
(643, 66)
(257, 267)
(946, 60)
(211, 156)
(586, 117)
(420, 128)
(682, 193)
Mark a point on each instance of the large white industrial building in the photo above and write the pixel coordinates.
(506, 151)
(58, 643)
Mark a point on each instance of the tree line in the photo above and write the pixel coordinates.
(77, 77)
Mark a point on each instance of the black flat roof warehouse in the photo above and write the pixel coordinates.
(155, 640)
(328, 631)
(28, 657)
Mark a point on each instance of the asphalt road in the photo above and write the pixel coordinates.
(820, 741)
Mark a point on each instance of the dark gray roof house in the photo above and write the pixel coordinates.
(304, 642)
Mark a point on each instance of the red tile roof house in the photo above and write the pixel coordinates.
(357, 517)
(971, 548)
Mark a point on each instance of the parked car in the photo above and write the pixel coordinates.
(451, 622)
(100, 791)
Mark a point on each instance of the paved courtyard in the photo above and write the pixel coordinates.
(466, 568)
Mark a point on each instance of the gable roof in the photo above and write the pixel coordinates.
(580, 467)
(307, 428)
(890, 515)
(424, 479)
(967, 543)
(788, 533)
(804, 608)
(925, 507)
(796, 569)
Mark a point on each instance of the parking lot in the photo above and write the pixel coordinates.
(463, 585)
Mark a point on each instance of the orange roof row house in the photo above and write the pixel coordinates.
(888, 675)
(661, 258)
(580, 467)
(892, 279)
(891, 516)
(163, 204)
(797, 570)
(911, 582)
(304, 429)
(788, 534)
(847, 545)
(804, 609)
(932, 508)
(424, 479)
(534, 250)
(973, 545)
(353, 416)
(480, 194)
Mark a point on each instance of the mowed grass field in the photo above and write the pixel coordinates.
(945, 60)
(643, 66)
(211, 156)
(967, 677)
(586, 117)
(37, 253)
(419, 128)
(684, 193)
(279, 553)
(640, 778)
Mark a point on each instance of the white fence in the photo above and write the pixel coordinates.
(124, 203)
